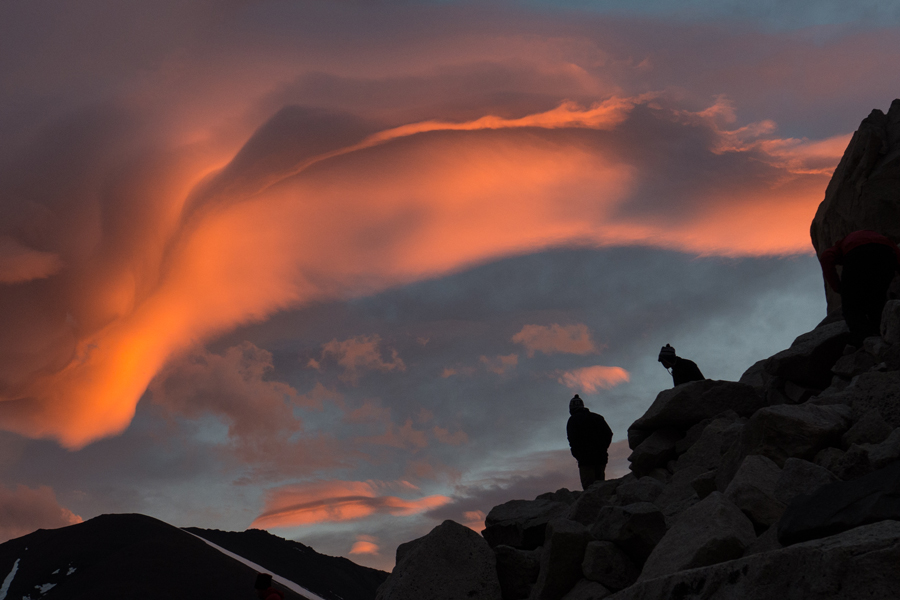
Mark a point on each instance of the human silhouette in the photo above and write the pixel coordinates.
(682, 369)
(589, 438)
(264, 589)
(869, 262)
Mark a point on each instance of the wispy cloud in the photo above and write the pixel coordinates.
(569, 339)
(590, 379)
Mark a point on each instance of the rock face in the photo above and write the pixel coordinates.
(862, 193)
(521, 523)
(449, 563)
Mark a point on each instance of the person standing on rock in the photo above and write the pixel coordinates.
(682, 369)
(589, 438)
(870, 261)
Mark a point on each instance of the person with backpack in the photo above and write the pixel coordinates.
(589, 438)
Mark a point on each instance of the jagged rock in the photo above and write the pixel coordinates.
(829, 458)
(645, 489)
(871, 428)
(873, 390)
(563, 495)
(587, 590)
(691, 436)
(449, 563)
(753, 490)
(680, 494)
(853, 364)
(685, 405)
(712, 531)
(881, 455)
(705, 484)
(517, 570)
(660, 474)
(561, 559)
(714, 442)
(521, 523)
(636, 528)
(854, 463)
(809, 360)
(857, 565)
(766, 542)
(605, 563)
(756, 375)
(599, 494)
(862, 193)
(800, 477)
(842, 505)
(658, 449)
(782, 432)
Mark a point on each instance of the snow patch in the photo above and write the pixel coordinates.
(43, 589)
(9, 579)
(259, 569)
(71, 570)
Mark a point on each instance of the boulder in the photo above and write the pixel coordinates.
(636, 528)
(874, 390)
(449, 563)
(809, 360)
(871, 428)
(829, 458)
(685, 405)
(561, 559)
(853, 364)
(842, 505)
(766, 542)
(587, 590)
(521, 523)
(881, 455)
(657, 450)
(586, 508)
(714, 442)
(563, 495)
(862, 193)
(857, 565)
(645, 489)
(785, 431)
(680, 494)
(517, 570)
(712, 531)
(753, 491)
(705, 484)
(605, 563)
(800, 477)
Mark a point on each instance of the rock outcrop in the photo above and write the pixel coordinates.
(782, 485)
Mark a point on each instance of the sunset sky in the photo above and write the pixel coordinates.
(334, 269)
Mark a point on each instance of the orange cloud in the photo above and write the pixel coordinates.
(18, 263)
(333, 501)
(365, 544)
(26, 509)
(589, 379)
(474, 520)
(500, 364)
(569, 339)
(361, 353)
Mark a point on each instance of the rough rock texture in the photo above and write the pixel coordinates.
(517, 571)
(842, 505)
(853, 364)
(605, 563)
(657, 450)
(521, 523)
(687, 404)
(871, 428)
(679, 494)
(873, 390)
(449, 563)
(800, 477)
(712, 531)
(705, 484)
(645, 489)
(809, 360)
(890, 322)
(862, 193)
(636, 528)
(560, 559)
(715, 440)
(586, 508)
(753, 490)
(860, 564)
(785, 431)
(587, 590)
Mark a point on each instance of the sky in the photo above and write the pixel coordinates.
(334, 269)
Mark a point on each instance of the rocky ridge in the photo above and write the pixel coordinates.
(784, 484)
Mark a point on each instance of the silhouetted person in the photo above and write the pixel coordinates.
(870, 261)
(682, 369)
(589, 438)
(264, 589)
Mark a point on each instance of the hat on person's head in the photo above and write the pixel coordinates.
(263, 581)
(575, 403)
(666, 354)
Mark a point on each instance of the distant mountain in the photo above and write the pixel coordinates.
(327, 576)
(135, 557)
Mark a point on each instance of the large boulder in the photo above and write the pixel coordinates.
(785, 431)
(561, 559)
(517, 570)
(655, 451)
(753, 490)
(842, 505)
(689, 403)
(717, 437)
(636, 528)
(800, 477)
(809, 360)
(873, 390)
(600, 493)
(605, 563)
(860, 564)
(645, 489)
(449, 563)
(587, 590)
(862, 193)
(679, 494)
(871, 428)
(521, 523)
(713, 530)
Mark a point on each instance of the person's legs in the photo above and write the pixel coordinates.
(588, 475)
(865, 279)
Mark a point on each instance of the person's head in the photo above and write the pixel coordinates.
(575, 404)
(667, 356)
(263, 583)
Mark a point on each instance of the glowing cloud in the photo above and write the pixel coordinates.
(589, 379)
(25, 509)
(500, 364)
(569, 339)
(331, 501)
(365, 544)
(361, 353)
